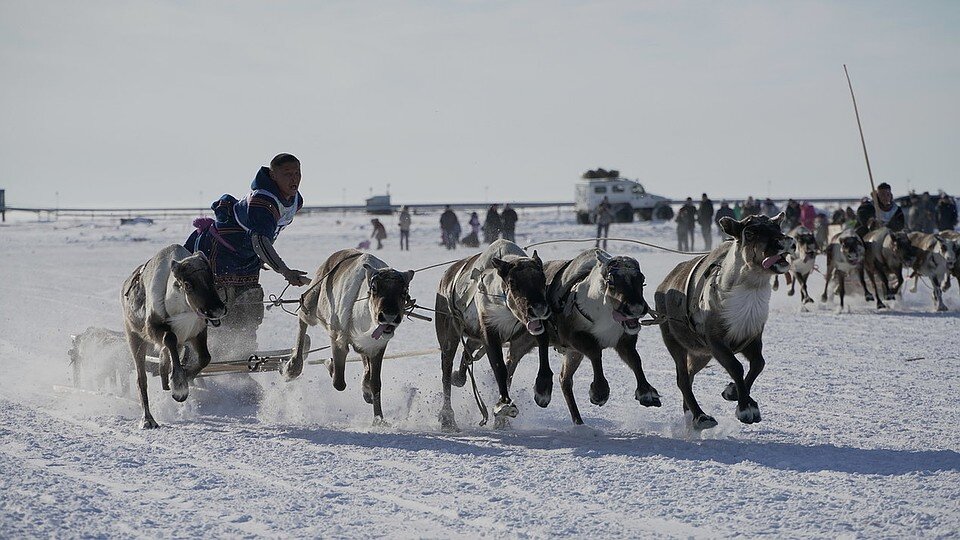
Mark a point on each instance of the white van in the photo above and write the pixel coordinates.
(627, 197)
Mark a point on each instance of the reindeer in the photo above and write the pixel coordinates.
(716, 306)
(953, 237)
(802, 263)
(887, 252)
(597, 302)
(492, 298)
(934, 260)
(167, 303)
(845, 255)
(359, 301)
(935, 243)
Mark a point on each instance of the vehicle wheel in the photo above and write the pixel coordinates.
(624, 214)
(645, 214)
(663, 211)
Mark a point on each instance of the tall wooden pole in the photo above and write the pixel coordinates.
(873, 188)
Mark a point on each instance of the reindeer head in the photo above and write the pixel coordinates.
(389, 296)
(761, 242)
(903, 248)
(623, 289)
(193, 277)
(525, 287)
(948, 249)
(807, 247)
(851, 249)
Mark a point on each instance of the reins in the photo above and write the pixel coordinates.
(630, 240)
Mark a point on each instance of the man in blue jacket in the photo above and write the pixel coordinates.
(240, 242)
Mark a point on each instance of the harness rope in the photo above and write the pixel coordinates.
(631, 240)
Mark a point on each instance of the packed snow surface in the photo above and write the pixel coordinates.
(859, 434)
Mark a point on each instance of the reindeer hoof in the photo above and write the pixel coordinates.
(543, 389)
(340, 386)
(892, 296)
(290, 371)
(790, 292)
(599, 393)
(730, 392)
(379, 422)
(704, 421)
(368, 396)
(941, 307)
(868, 297)
(458, 378)
(808, 300)
(823, 298)
(504, 409)
(447, 423)
(749, 414)
(650, 398)
(149, 423)
(180, 388)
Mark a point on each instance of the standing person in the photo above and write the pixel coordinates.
(705, 218)
(379, 232)
(922, 214)
(722, 212)
(791, 215)
(808, 214)
(448, 226)
(737, 211)
(769, 208)
(946, 213)
(238, 242)
(686, 219)
(891, 215)
(604, 216)
(821, 230)
(750, 207)
(492, 225)
(404, 228)
(509, 217)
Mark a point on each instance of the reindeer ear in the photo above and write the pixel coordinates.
(778, 219)
(503, 267)
(536, 259)
(408, 276)
(370, 270)
(602, 256)
(175, 267)
(732, 227)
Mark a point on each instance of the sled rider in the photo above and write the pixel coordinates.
(240, 242)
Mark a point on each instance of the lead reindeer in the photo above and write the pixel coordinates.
(493, 298)
(716, 306)
(887, 252)
(934, 260)
(597, 303)
(167, 303)
(360, 302)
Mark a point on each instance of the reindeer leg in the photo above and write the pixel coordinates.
(938, 294)
(826, 277)
(571, 361)
(504, 407)
(793, 284)
(138, 349)
(747, 410)
(337, 366)
(164, 365)
(776, 283)
(293, 367)
(754, 354)
(543, 386)
(203, 352)
(701, 420)
(449, 340)
(376, 384)
(365, 387)
(646, 394)
(180, 389)
(587, 344)
(804, 293)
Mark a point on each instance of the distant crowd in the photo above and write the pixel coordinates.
(497, 224)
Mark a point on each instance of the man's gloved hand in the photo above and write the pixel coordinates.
(297, 278)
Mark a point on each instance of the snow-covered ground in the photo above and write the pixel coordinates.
(857, 438)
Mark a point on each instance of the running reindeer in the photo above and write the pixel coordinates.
(845, 256)
(167, 303)
(887, 252)
(597, 302)
(359, 301)
(484, 301)
(802, 263)
(716, 306)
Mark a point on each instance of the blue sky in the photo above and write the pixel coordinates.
(119, 103)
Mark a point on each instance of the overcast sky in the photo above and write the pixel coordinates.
(120, 103)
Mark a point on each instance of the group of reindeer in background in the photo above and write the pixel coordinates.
(713, 306)
(881, 255)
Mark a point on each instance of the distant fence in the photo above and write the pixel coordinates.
(173, 212)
